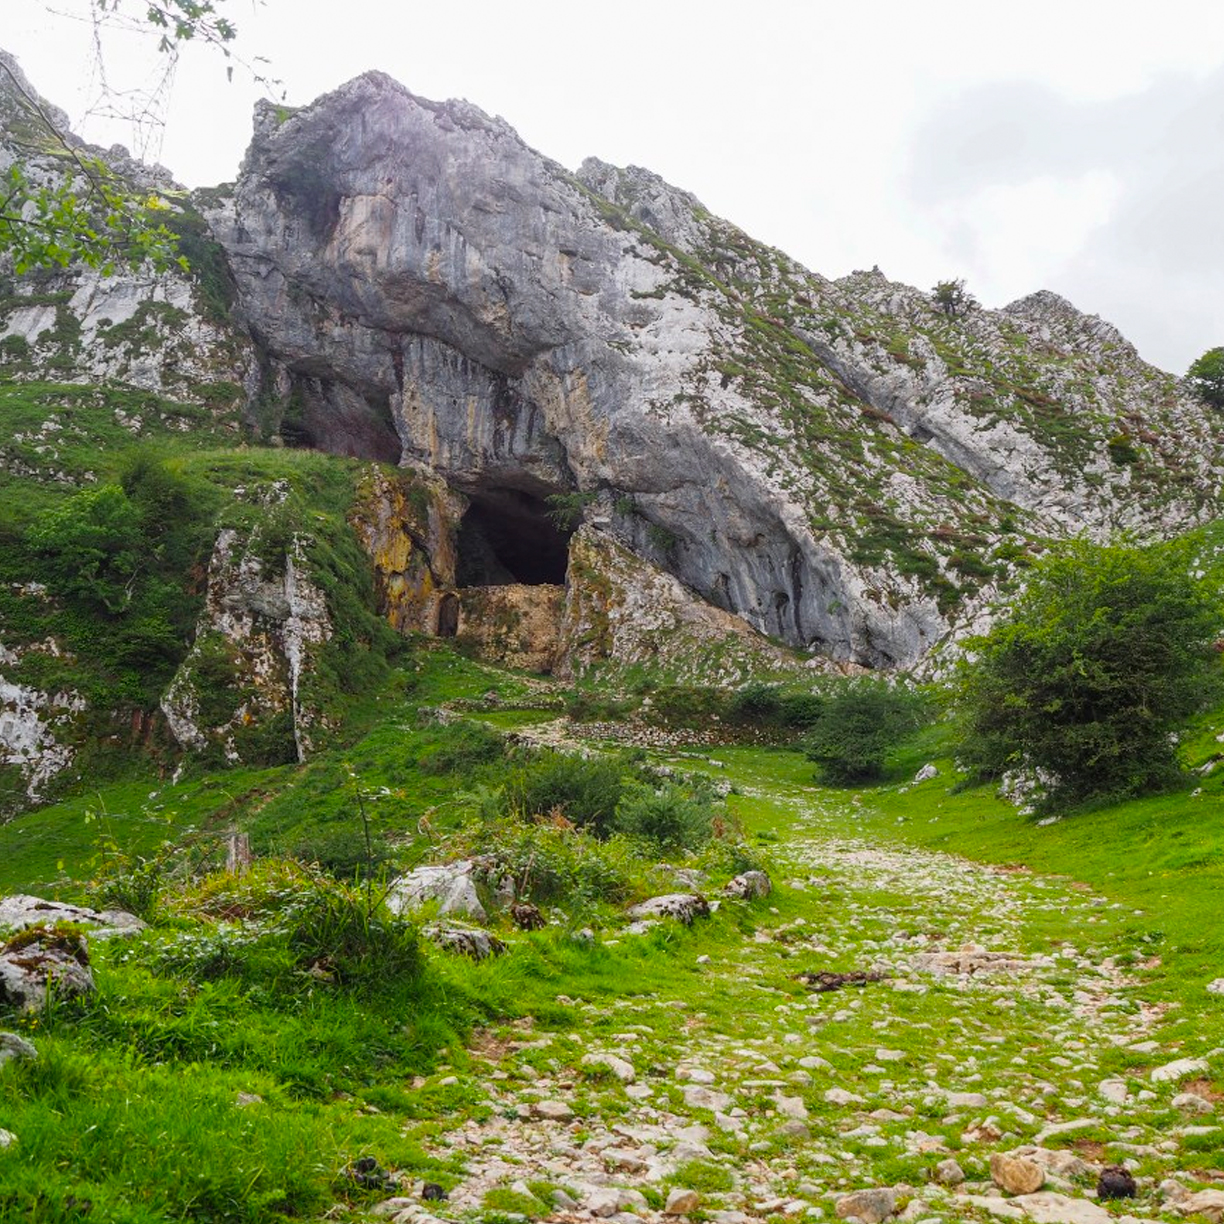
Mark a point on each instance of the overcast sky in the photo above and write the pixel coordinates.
(1073, 145)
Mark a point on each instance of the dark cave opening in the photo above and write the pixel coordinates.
(507, 537)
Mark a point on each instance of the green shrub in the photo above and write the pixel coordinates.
(1107, 654)
(585, 792)
(687, 705)
(755, 704)
(553, 864)
(858, 728)
(466, 748)
(668, 818)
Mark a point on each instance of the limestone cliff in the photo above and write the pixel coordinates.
(837, 463)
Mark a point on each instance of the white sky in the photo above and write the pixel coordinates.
(1074, 145)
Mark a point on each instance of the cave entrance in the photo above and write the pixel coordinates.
(507, 538)
(448, 616)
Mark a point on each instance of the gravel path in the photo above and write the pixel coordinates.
(745, 1096)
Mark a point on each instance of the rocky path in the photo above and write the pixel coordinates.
(989, 1073)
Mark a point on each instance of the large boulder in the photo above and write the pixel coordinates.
(40, 961)
(683, 907)
(450, 885)
(20, 910)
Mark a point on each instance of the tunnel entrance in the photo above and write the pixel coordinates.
(507, 538)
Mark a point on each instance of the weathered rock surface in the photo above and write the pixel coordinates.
(1015, 1174)
(263, 623)
(20, 910)
(40, 961)
(429, 285)
(450, 885)
(465, 940)
(748, 886)
(683, 907)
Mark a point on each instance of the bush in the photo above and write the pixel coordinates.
(1107, 654)
(551, 864)
(466, 748)
(687, 705)
(584, 792)
(669, 819)
(859, 727)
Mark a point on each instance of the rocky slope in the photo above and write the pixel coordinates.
(627, 433)
(977, 1073)
(838, 463)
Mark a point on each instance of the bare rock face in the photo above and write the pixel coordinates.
(837, 463)
(449, 885)
(166, 332)
(264, 620)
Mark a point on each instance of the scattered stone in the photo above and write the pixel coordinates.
(1015, 1174)
(681, 1202)
(1115, 1182)
(1209, 1203)
(1216, 987)
(41, 959)
(14, 1047)
(871, 1206)
(465, 940)
(824, 980)
(926, 773)
(1047, 1207)
(370, 1175)
(1187, 1102)
(552, 1111)
(839, 1096)
(246, 1099)
(610, 1062)
(1172, 1191)
(966, 1100)
(791, 1107)
(7, 1139)
(1179, 1069)
(748, 886)
(584, 936)
(794, 1129)
(683, 907)
(450, 885)
(949, 1173)
(1114, 1091)
(1058, 1161)
(527, 917)
(698, 1096)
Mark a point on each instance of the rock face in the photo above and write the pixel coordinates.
(263, 622)
(168, 333)
(817, 458)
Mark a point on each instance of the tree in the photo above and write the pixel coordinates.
(858, 728)
(1106, 655)
(60, 204)
(1206, 377)
(953, 298)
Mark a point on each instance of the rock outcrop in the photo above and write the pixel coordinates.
(837, 463)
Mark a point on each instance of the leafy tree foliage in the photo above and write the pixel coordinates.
(953, 298)
(1206, 377)
(60, 205)
(859, 727)
(96, 545)
(1106, 655)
